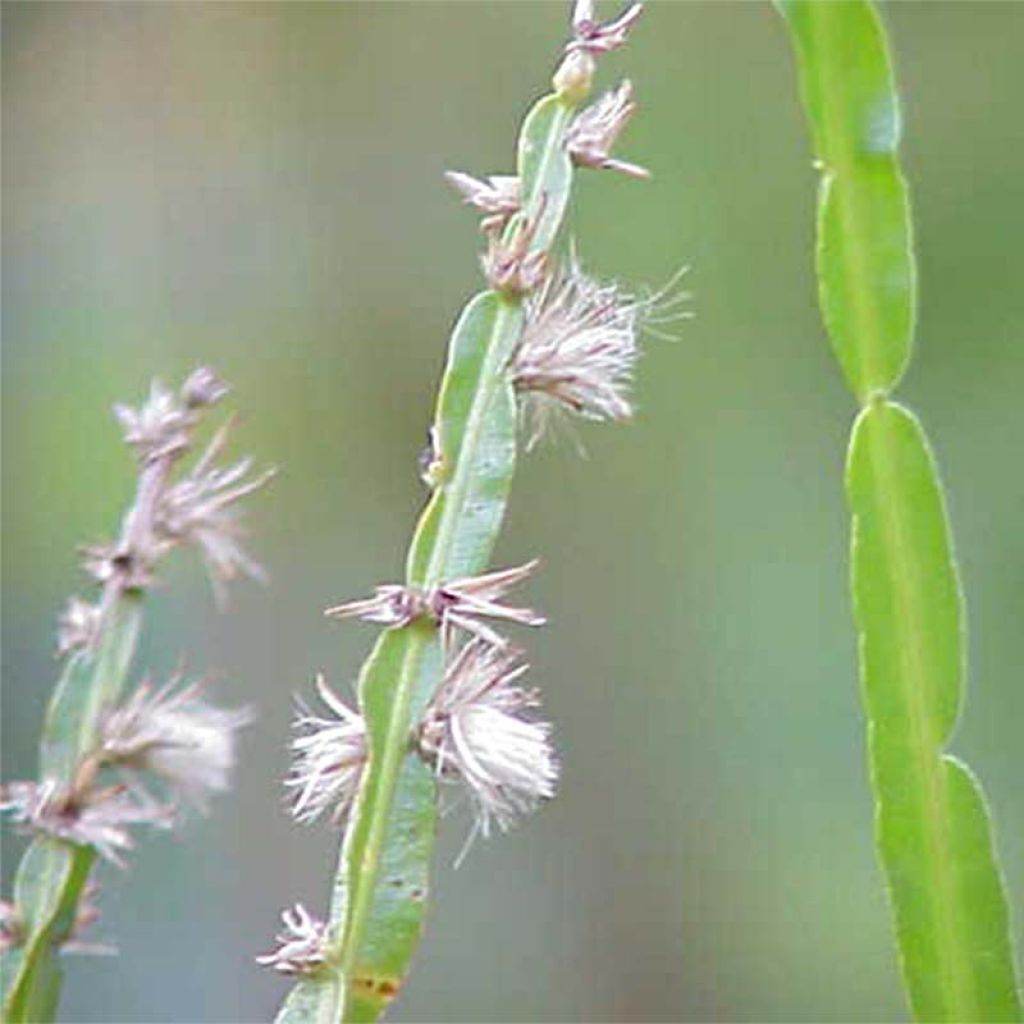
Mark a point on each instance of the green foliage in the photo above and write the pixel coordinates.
(932, 826)
(380, 895)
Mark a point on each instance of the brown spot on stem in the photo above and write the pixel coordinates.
(385, 988)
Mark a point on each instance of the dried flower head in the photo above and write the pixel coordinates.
(301, 944)
(473, 731)
(202, 387)
(328, 757)
(175, 735)
(161, 426)
(199, 509)
(497, 196)
(579, 347)
(509, 265)
(196, 509)
(95, 816)
(577, 352)
(592, 37)
(78, 626)
(461, 603)
(595, 130)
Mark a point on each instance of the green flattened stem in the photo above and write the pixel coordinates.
(932, 828)
(865, 262)
(381, 889)
(933, 831)
(52, 874)
(47, 889)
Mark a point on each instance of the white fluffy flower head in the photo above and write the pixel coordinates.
(474, 731)
(328, 757)
(175, 735)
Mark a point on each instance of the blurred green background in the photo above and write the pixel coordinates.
(258, 187)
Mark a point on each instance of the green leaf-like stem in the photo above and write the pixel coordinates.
(932, 827)
(865, 261)
(933, 831)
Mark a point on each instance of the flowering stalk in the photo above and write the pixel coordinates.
(431, 711)
(107, 767)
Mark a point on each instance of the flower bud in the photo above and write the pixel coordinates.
(575, 76)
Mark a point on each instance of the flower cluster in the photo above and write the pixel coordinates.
(86, 815)
(577, 351)
(196, 508)
(300, 944)
(590, 36)
(463, 603)
(474, 731)
(328, 757)
(176, 736)
(510, 264)
(497, 196)
(594, 132)
(170, 736)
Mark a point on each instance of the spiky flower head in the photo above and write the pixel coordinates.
(474, 731)
(463, 603)
(197, 508)
(577, 352)
(590, 36)
(508, 264)
(92, 816)
(497, 196)
(328, 758)
(161, 426)
(175, 735)
(203, 387)
(200, 509)
(592, 135)
(301, 944)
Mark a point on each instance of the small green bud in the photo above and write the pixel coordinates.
(574, 77)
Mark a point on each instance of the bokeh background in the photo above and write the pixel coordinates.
(258, 187)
